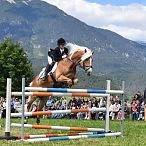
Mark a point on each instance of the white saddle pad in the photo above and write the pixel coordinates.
(42, 73)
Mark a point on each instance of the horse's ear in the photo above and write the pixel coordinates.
(92, 52)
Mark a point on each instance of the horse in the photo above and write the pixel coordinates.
(65, 73)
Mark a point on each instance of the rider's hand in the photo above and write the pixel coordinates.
(64, 56)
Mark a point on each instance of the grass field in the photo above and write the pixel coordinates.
(135, 133)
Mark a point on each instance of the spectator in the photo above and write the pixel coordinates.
(101, 102)
(141, 112)
(17, 104)
(12, 106)
(63, 101)
(73, 115)
(87, 114)
(49, 102)
(111, 109)
(138, 96)
(93, 114)
(119, 117)
(79, 102)
(94, 101)
(1, 106)
(134, 110)
(81, 115)
(116, 108)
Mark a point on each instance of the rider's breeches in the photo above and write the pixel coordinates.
(50, 60)
(48, 67)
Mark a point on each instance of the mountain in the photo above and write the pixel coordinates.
(142, 43)
(37, 25)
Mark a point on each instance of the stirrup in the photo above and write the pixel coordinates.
(44, 78)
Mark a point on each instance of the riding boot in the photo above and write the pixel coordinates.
(47, 70)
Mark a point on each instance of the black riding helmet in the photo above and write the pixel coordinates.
(61, 41)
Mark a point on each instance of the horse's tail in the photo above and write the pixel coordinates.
(34, 82)
(30, 84)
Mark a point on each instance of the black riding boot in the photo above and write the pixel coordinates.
(47, 70)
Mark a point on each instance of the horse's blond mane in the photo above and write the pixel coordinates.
(73, 48)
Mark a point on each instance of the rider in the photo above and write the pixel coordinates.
(56, 55)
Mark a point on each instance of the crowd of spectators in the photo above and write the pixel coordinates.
(15, 106)
(137, 107)
(134, 110)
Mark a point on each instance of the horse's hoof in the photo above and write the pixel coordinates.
(38, 121)
(75, 81)
(69, 82)
(25, 121)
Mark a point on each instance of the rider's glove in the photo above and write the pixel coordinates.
(64, 56)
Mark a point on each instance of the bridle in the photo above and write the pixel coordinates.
(86, 67)
(78, 63)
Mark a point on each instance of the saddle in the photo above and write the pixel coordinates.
(42, 73)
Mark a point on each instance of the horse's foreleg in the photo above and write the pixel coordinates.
(63, 78)
(75, 81)
(40, 106)
(42, 103)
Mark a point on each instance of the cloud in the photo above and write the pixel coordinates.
(129, 21)
(129, 33)
(11, 1)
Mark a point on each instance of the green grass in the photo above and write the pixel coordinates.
(135, 133)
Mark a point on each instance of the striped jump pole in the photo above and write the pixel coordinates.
(39, 113)
(58, 127)
(59, 94)
(73, 137)
(68, 90)
(53, 135)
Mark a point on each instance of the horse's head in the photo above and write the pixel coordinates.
(82, 55)
(86, 61)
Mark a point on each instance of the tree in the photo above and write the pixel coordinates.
(14, 64)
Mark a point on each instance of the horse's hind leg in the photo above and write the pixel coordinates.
(31, 99)
(40, 106)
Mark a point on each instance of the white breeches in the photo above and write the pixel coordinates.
(49, 60)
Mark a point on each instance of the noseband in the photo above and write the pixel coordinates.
(77, 63)
(87, 67)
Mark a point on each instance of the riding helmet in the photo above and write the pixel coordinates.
(61, 41)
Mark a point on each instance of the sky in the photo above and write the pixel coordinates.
(125, 17)
(118, 2)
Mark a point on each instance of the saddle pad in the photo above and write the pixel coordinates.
(42, 73)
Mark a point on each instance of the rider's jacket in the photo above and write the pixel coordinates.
(56, 54)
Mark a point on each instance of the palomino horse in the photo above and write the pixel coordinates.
(65, 72)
